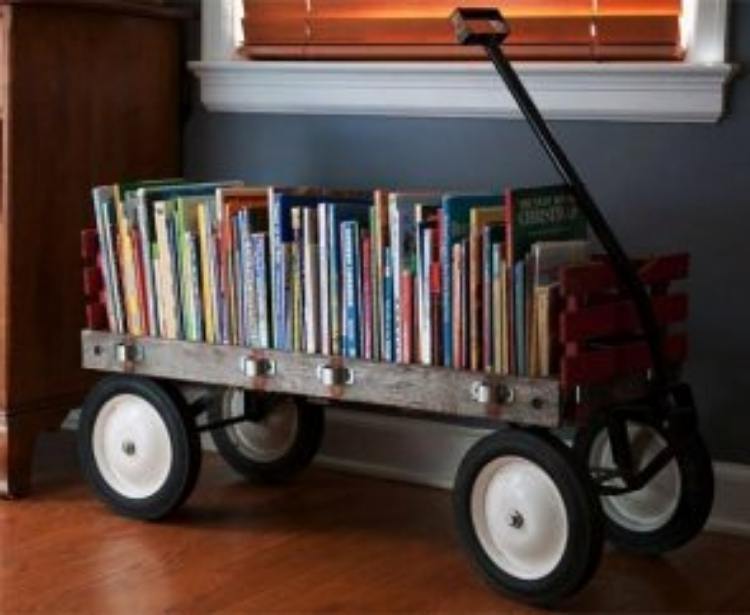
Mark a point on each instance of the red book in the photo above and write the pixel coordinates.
(367, 295)
(407, 316)
(436, 312)
(457, 303)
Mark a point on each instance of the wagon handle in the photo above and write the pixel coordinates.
(486, 28)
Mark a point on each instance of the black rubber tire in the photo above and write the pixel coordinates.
(583, 550)
(306, 443)
(696, 494)
(186, 461)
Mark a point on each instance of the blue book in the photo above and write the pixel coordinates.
(455, 228)
(388, 350)
(337, 214)
(350, 287)
(172, 238)
(519, 315)
(261, 288)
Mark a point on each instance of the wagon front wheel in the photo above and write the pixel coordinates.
(138, 446)
(672, 507)
(528, 516)
(277, 440)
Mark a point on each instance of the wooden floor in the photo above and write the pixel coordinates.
(328, 543)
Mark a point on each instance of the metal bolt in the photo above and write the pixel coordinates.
(128, 447)
(515, 520)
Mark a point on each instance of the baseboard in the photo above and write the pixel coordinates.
(428, 453)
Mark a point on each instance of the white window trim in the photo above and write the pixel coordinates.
(690, 91)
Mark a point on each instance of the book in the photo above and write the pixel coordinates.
(260, 251)
(368, 339)
(401, 219)
(456, 210)
(167, 267)
(104, 214)
(323, 280)
(311, 281)
(492, 235)
(281, 202)
(456, 299)
(389, 353)
(380, 240)
(338, 214)
(479, 217)
(350, 287)
(141, 198)
(407, 316)
(548, 213)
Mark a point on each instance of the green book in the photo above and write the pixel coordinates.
(548, 213)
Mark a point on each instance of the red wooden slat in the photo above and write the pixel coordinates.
(92, 282)
(600, 277)
(96, 317)
(604, 365)
(89, 244)
(618, 318)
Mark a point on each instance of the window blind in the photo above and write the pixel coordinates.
(420, 29)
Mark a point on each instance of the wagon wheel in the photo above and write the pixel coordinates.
(278, 440)
(138, 446)
(528, 515)
(672, 507)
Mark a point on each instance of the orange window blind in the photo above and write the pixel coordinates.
(420, 29)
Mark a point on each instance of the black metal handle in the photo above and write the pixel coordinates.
(622, 265)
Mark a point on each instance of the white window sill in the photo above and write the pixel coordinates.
(643, 92)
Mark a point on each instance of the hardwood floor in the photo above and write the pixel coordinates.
(327, 543)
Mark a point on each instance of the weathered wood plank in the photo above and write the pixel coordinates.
(412, 387)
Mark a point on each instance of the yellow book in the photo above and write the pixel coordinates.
(204, 237)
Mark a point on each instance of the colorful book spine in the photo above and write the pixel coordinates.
(310, 279)
(456, 301)
(323, 273)
(407, 316)
(103, 198)
(519, 317)
(388, 328)
(350, 295)
(367, 303)
(261, 286)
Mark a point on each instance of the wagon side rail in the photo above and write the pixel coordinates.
(604, 354)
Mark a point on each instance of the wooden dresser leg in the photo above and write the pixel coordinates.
(18, 435)
(16, 455)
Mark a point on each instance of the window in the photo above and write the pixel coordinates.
(691, 90)
(421, 29)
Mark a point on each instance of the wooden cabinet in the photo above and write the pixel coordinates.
(89, 94)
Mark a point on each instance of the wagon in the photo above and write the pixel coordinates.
(610, 448)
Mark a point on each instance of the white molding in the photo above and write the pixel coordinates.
(692, 91)
(624, 92)
(428, 454)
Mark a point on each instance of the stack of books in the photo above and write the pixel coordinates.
(466, 281)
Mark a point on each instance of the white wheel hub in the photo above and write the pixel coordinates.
(651, 507)
(131, 445)
(519, 517)
(268, 439)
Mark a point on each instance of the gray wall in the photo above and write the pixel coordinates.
(664, 187)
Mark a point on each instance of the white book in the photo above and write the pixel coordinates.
(311, 281)
(323, 279)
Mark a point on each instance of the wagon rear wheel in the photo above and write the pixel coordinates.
(138, 446)
(277, 441)
(672, 507)
(528, 516)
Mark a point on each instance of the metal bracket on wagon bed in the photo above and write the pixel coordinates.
(257, 367)
(332, 375)
(128, 353)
